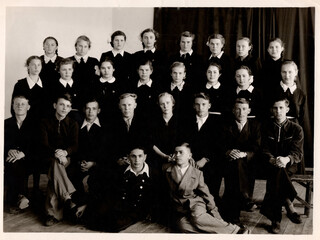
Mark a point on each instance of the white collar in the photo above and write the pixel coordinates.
(215, 86)
(47, 59)
(250, 89)
(218, 56)
(85, 123)
(78, 58)
(152, 50)
(31, 83)
(149, 83)
(285, 87)
(114, 52)
(190, 52)
(112, 80)
(241, 125)
(202, 119)
(184, 169)
(180, 86)
(64, 82)
(145, 169)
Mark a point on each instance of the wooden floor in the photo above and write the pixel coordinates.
(30, 220)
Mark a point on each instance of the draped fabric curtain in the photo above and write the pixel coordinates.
(295, 26)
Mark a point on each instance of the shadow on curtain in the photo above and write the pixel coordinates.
(295, 26)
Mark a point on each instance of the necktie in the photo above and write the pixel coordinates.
(128, 124)
(81, 61)
(149, 54)
(88, 127)
(68, 88)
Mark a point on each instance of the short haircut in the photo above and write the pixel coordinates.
(241, 101)
(184, 144)
(202, 95)
(145, 61)
(245, 68)
(83, 38)
(166, 94)
(176, 65)
(20, 96)
(107, 59)
(217, 36)
(137, 146)
(126, 95)
(65, 96)
(281, 98)
(187, 34)
(29, 59)
(51, 38)
(65, 61)
(156, 34)
(290, 62)
(90, 100)
(213, 64)
(117, 33)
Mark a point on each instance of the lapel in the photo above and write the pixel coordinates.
(187, 179)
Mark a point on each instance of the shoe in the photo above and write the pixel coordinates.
(23, 202)
(249, 206)
(275, 227)
(294, 217)
(14, 210)
(244, 230)
(51, 221)
(69, 204)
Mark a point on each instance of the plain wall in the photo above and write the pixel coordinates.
(27, 27)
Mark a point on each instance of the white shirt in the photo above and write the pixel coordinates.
(218, 56)
(240, 125)
(285, 87)
(149, 83)
(152, 50)
(183, 170)
(115, 52)
(145, 169)
(250, 89)
(215, 86)
(201, 121)
(190, 52)
(47, 59)
(31, 83)
(86, 123)
(78, 58)
(180, 86)
(112, 80)
(64, 82)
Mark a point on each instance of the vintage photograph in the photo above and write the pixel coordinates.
(163, 119)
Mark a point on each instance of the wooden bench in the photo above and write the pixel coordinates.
(305, 180)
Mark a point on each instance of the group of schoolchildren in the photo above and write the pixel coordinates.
(149, 136)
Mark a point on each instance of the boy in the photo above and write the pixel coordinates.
(283, 149)
(241, 140)
(59, 139)
(192, 202)
(121, 59)
(192, 61)
(19, 153)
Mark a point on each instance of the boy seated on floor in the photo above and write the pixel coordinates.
(193, 205)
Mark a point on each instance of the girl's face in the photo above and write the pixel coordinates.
(242, 48)
(34, 67)
(106, 70)
(178, 74)
(243, 78)
(288, 74)
(66, 71)
(166, 104)
(215, 46)
(82, 48)
(275, 49)
(149, 39)
(213, 74)
(50, 47)
(118, 42)
(144, 72)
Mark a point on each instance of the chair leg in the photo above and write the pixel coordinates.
(308, 199)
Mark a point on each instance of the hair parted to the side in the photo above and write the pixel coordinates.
(51, 38)
(83, 38)
(65, 96)
(117, 33)
(156, 35)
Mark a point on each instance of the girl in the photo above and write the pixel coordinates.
(50, 61)
(33, 88)
(244, 57)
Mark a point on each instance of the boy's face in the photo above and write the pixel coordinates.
(92, 110)
(241, 111)
(62, 107)
(288, 74)
(213, 74)
(242, 48)
(127, 106)
(50, 47)
(215, 46)
(118, 42)
(185, 44)
(106, 70)
(202, 107)
(182, 155)
(243, 78)
(144, 72)
(34, 67)
(66, 71)
(82, 48)
(20, 106)
(279, 111)
(178, 74)
(166, 104)
(275, 49)
(137, 158)
(149, 40)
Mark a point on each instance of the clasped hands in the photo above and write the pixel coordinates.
(236, 154)
(280, 162)
(14, 155)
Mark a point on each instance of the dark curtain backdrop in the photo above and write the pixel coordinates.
(295, 26)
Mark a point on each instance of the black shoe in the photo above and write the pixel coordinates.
(294, 217)
(249, 206)
(275, 227)
(244, 230)
(50, 221)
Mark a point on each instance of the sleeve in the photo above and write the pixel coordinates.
(47, 150)
(255, 141)
(296, 146)
(73, 138)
